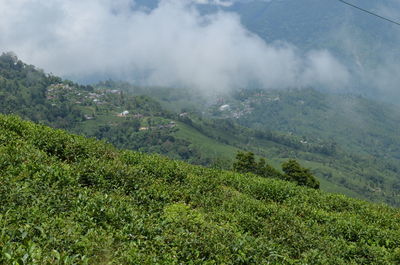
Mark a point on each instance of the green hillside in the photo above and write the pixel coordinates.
(175, 126)
(346, 160)
(321, 130)
(358, 124)
(32, 94)
(356, 136)
(71, 200)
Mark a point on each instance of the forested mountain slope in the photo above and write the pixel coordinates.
(71, 200)
(189, 135)
(133, 122)
(348, 141)
(356, 123)
(354, 126)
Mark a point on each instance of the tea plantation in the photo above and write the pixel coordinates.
(66, 199)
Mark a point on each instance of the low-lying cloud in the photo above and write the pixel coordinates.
(171, 45)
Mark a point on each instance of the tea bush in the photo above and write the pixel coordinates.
(66, 199)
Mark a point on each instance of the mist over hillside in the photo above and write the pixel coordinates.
(367, 45)
(173, 44)
(209, 45)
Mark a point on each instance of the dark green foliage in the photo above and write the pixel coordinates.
(266, 170)
(246, 163)
(302, 176)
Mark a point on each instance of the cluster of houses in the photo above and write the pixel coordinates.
(57, 91)
(53, 91)
(80, 96)
(246, 105)
(235, 112)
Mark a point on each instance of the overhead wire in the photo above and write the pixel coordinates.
(369, 12)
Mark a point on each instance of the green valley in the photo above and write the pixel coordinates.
(121, 114)
(211, 132)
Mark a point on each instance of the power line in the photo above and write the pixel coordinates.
(369, 12)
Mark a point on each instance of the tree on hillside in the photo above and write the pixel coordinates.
(246, 163)
(266, 170)
(302, 176)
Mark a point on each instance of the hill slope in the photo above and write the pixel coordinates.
(358, 129)
(67, 199)
(190, 136)
(349, 142)
(37, 96)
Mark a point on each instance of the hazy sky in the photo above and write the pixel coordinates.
(172, 45)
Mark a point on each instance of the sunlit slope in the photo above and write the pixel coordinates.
(71, 200)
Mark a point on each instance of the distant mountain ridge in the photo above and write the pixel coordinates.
(366, 45)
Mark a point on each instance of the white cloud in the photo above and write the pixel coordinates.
(224, 3)
(324, 70)
(172, 45)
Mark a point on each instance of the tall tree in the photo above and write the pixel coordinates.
(302, 176)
